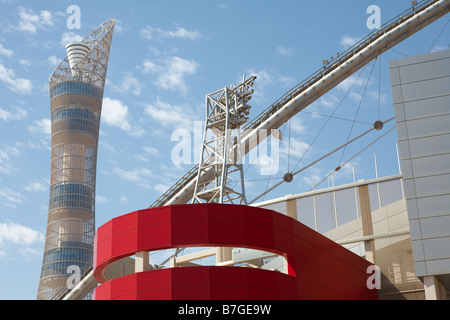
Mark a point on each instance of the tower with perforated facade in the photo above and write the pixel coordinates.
(76, 95)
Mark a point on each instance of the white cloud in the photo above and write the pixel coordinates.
(140, 176)
(68, 37)
(43, 126)
(266, 79)
(30, 22)
(25, 63)
(115, 113)
(151, 33)
(161, 188)
(288, 52)
(119, 27)
(15, 84)
(42, 130)
(53, 60)
(437, 48)
(348, 41)
(147, 154)
(352, 81)
(129, 84)
(223, 7)
(10, 198)
(6, 52)
(18, 234)
(101, 199)
(170, 72)
(329, 100)
(14, 113)
(296, 150)
(123, 200)
(7, 153)
(297, 125)
(36, 187)
(168, 115)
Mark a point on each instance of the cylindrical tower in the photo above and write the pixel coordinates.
(76, 95)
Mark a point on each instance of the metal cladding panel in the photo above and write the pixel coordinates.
(318, 267)
(421, 93)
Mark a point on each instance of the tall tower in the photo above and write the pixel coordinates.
(76, 95)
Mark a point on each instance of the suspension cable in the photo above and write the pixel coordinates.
(442, 31)
(379, 90)
(359, 108)
(318, 160)
(353, 157)
(329, 118)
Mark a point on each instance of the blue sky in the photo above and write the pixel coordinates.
(166, 56)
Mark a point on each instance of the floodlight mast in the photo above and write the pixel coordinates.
(226, 112)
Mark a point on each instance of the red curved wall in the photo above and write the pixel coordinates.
(318, 267)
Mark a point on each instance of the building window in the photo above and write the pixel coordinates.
(76, 87)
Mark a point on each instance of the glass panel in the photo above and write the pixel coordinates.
(76, 87)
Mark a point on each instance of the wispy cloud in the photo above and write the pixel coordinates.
(36, 187)
(171, 72)
(140, 176)
(53, 60)
(265, 79)
(14, 83)
(7, 156)
(223, 7)
(13, 113)
(115, 113)
(285, 51)
(129, 84)
(348, 41)
(31, 22)
(68, 37)
(41, 127)
(18, 234)
(6, 52)
(147, 154)
(152, 33)
(169, 115)
(10, 198)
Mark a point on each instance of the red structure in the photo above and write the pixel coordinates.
(318, 267)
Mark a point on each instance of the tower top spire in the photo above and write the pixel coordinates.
(87, 60)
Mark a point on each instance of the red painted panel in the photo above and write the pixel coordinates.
(318, 268)
(154, 237)
(199, 283)
(125, 223)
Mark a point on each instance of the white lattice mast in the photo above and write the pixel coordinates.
(226, 111)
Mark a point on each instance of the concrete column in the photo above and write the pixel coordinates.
(367, 225)
(142, 261)
(291, 208)
(291, 211)
(224, 254)
(434, 290)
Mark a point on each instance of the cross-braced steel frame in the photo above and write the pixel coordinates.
(226, 111)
